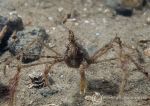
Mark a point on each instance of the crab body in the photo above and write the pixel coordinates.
(75, 55)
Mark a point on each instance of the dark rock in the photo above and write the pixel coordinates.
(19, 46)
(14, 23)
(4, 91)
(124, 11)
(125, 7)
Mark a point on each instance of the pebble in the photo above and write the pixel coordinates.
(84, 9)
(104, 20)
(53, 28)
(148, 20)
(76, 24)
(50, 18)
(25, 4)
(51, 45)
(86, 21)
(100, 9)
(47, 31)
(61, 76)
(147, 52)
(97, 34)
(106, 10)
(60, 9)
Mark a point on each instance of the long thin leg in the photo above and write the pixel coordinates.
(105, 60)
(50, 48)
(83, 82)
(104, 49)
(55, 57)
(139, 67)
(123, 83)
(13, 83)
(101, 51)
(3, 31)
(124, 63)
(124, 66)
(47, 56)
(46, 71)
(35, 64)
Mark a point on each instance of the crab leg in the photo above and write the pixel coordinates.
(104, 49)
(101, 51)
(124, 63)
(139, 67)
(47, 69)
(50, 48)
(13, 83)
(3, 31)
(124, 66)
(83, 82)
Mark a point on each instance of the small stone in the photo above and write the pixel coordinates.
(50, 105)
(47, 31)
(25, 4)
(106, 10)
(97, 34)
(60, 9)
(76, 24)
(100, 9)
(84, 9)
(97, 93)
(51, 45)
(61, 76)
(147, 52)
(30, 103)
(13, 12)
(72, 19)
(50, 18)
(53, 28)
(86, 21)
(104, 20)
(88, 98)
(148, 20)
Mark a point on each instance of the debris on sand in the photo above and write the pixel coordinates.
(96, 98)
(37, 80)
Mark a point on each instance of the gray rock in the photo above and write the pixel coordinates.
(20, 46)
(47, 92)
(14, 23)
